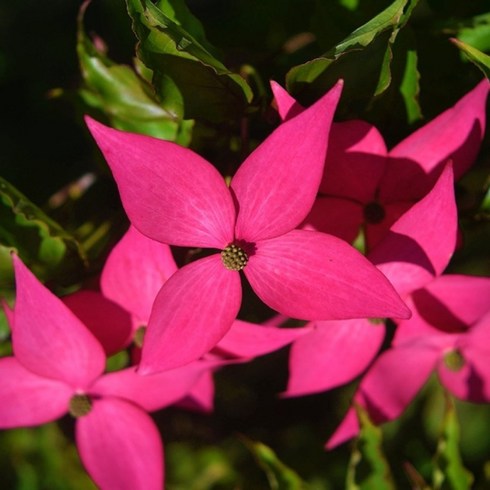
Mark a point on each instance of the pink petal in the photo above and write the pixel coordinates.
(151, 392)
(413, 252)
(170, 193)
(388, 388)
(120, 446)
(356, 160)
(277, 184)
(246, 339)
(287, 106)
(348, 429)
(454, 135)
(472, 381)
(192, 312)
(201, 396)
(48, 338)
(313, 276)
(377, 232)
(332, 354)
(335, 216)
(394, 379)
(135, 271)
(465, 300)
(108, 322)
(27, 399)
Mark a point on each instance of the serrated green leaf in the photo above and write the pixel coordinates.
(280, 477)
(127, 99)
(363, 59)
(481, 60)
(178, 12)
(449, 471)
(368, 468)
(50, 251)
(210, 91)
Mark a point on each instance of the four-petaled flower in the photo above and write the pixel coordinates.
(174, 196)
(58, 367)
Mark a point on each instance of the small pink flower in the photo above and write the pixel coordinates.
(366, 185)
(134, 272)
(174, 196)
(449, 333)
(411, 255)
(58, 367)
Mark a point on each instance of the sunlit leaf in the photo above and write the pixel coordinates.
(481, 60)
(124, 97)
(368, 468)
(477, 34)
(363, 59)
(410, 88)
(209, 90)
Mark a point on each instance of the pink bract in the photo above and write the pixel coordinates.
(364, 184)
(411, 255)
(174, 196)
(57, 360)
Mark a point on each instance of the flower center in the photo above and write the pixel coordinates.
(139, 336)
(80, 405)
(234, 258)
(374, 213)
(454, 360)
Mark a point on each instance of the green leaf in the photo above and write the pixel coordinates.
(125, 98)
(449, 472)
(368, 468)
(363, 59)
(477, 33)
(410, 88)
(49, 250)
(178, 12)
(280, 477)
(208, 89)
(481, 60)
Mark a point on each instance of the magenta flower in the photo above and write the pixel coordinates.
(412, 255)
(449, 333)
(365, 185)
(57, 368)
(174, 196)
(134, 272)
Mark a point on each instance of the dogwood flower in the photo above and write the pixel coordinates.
(449, 333)
(174, 196)
(365, 185)
(134, 272)
(412, 255)
(57, 368)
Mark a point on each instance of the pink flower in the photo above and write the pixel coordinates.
(449, 333)
(57, 368)
(174, 196)
(366, 185)
(411, 256)
(134, 272)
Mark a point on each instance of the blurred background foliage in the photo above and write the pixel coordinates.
(197, 72)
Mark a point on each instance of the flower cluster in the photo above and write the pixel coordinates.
(286, 221)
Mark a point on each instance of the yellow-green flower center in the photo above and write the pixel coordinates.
(80, 405)
(139, 336)
(234, 258)
(454, 360)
